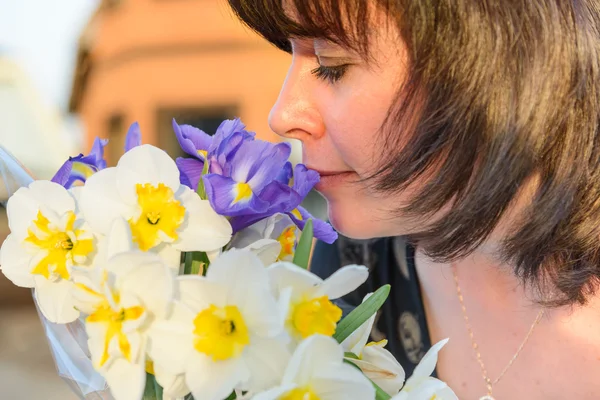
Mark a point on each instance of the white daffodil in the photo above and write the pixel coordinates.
(122, 302)
(377, 363)
(273, 239)
(47, 241)
(223, 332)
(309, 297)
(421, 385)
(317, 371)
(165, 216)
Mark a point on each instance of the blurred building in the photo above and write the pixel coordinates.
(153, 60)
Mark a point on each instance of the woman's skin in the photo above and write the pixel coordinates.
(338, 123)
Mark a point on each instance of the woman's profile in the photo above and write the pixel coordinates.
(461, 138)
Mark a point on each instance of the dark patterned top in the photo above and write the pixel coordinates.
(401, 320)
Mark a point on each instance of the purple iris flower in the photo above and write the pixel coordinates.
(302, 183)
(76, 170)
(218, 149)
(80, 168)
(247, 179)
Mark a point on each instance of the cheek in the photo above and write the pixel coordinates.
(354, 129)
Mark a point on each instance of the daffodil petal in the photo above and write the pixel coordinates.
(342, 383)
(312, 357)
(268, 359)
(357, 340)
(119, 240)
(209, 380)
(343, 281)
(173, 385)
(427, 364)
(170, 341)
(204, 229)
(126, 380)
(21, 210)
(52, 195)
(266, 249)
(275, 393)
(169, 254)
(198, 293)
(55, 300)
(14, 262)
(427, 389)
(145, 164)
(101, 203)
(151, 282)
(287, 275)
(381, 367)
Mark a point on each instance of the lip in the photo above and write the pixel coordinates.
(331, 179)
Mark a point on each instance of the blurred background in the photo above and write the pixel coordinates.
(73, 70)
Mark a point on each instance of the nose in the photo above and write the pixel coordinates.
(295, 114)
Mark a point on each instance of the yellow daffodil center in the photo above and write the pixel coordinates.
(300, 394)
(221, 333)
(297, 214)
(287, 240)
(160, 212)
(318, 315)
(243, 191)
(114, 320)
(63, 246)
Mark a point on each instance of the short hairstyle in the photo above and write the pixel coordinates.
(505, 91)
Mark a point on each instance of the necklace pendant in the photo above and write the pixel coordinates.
(487, 397)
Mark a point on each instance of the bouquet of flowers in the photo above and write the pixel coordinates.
(187, 279)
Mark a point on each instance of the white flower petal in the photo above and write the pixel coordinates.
(170, 255)
(274, 394)
(260, 230)
(210, 380)
(145, 164)
(23, 206)
(152, 283)
(203, 229)
(359, 338)
(126, 380)
(427, 389)
(119, 240)
(381, 367)
(173, 385)
(198, 293)
(343, 281)
(87, 291)
(267, 250)
(55, 300)
(313, 356)
(170, 342)
(101, 203)
(266, 359)
(343, 383)
(14, 262)
(284, 275)
(427, 364)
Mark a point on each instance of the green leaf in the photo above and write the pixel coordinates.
(201, 190)
(195, 262)
(379, 392)
(152, 391)
(232, 396)
(302, 255)
(351, 355)
(361, 314)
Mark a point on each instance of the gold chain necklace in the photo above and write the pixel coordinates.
(488, 382)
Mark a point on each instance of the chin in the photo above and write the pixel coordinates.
(358, 222)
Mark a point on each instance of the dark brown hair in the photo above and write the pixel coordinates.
(505, 91)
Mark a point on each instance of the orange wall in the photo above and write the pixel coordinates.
(150, 54)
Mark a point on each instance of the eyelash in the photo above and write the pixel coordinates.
(332, 74)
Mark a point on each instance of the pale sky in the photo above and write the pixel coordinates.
(41, 36)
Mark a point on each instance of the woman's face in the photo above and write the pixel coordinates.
(335, 102)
